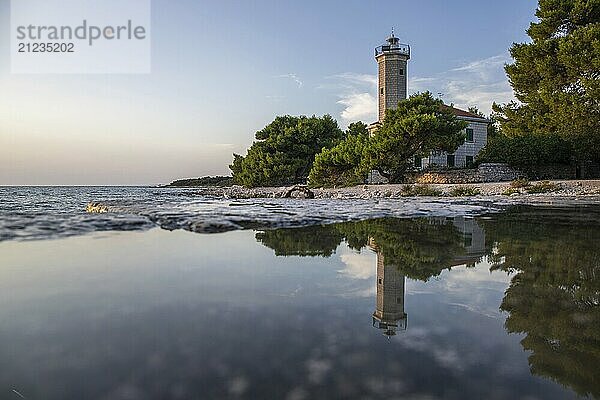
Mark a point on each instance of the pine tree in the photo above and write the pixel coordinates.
(556, 77)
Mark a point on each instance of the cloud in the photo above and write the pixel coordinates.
(351, 78)
(293, 77)
(476, 83)
(359, 107)
(356, 93)
(485, 66)
(359, 265)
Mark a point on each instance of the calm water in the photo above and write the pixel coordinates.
(450, 305)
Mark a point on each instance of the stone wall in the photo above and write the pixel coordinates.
(392, 81)
(495, 172)
(484, 173)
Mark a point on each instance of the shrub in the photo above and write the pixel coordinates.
(220, 181)
(459, 191)
(345, 164)
(419, 190)
(520, 183)
(511, 191)
(542, 187)
(526, 150)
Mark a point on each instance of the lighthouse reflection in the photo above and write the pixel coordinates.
(418, 249)
(389, 315)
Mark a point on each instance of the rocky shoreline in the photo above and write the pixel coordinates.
(584, 189)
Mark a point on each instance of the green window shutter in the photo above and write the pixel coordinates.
(418, 162)
(450, 160)
(469, 134)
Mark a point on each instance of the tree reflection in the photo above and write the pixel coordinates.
(419, 248)
(306, 242)
(554, 297)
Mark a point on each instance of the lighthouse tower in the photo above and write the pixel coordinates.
(392, 59)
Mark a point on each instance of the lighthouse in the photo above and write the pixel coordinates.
(392, 60)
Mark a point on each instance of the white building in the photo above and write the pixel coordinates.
(464, 156)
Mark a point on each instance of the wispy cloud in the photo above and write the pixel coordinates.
(293, 77)
(476, 83)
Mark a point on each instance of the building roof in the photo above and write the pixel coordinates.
(464, 114)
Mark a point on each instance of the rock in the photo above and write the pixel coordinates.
(96, 208)
(299, 192)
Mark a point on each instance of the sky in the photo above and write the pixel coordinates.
(221, 70)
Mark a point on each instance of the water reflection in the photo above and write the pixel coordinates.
(174, 315)
(553, 298)
(389, 316)
(420, 249)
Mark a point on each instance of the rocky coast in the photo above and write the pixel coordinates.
(588, 190)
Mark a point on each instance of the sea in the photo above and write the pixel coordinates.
(166, 293)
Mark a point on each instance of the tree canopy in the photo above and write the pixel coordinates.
(284, 151)
(526, 150)
(419, 125)
(556, 77)
(345, 164)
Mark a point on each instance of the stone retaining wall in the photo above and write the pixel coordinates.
(487, 172)
(495, 172)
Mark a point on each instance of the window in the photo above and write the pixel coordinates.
(468, 239)
(469, 134)
(380, 281)
(469, 161)
(381, 90)
(401, 73)
(418, 162)
(450, 160)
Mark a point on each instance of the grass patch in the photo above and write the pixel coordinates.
(419, 190)
(511, 191)
(459, 191)
(542, 187)
(520, 183)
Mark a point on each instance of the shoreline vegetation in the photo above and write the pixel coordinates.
(206, 181)
(559, 189)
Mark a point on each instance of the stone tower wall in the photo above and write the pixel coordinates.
(392, 81)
